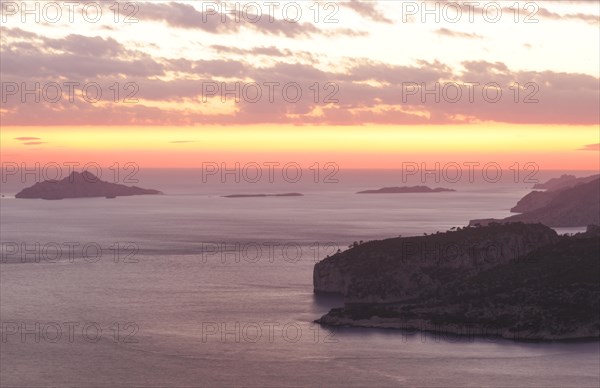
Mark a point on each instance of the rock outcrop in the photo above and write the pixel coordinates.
(80, 185)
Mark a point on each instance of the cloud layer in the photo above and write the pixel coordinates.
(101, 78)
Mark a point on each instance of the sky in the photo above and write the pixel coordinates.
(364, 84)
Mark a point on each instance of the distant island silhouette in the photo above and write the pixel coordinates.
(406, 190)
(564, 181)
(263, 195)
(80, 185)
(565, 204)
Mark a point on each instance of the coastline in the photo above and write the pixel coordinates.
(414, 326)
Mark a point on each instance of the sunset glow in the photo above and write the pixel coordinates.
(165, 98)
(299, 193)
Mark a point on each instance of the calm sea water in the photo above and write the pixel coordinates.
(192, 289)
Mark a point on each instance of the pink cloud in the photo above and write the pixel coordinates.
(590, 147)
(26, 138)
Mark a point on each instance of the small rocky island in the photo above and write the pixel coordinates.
(406, 190)
(513, 280)
(80, 185)
(263, 195)
(570, 202)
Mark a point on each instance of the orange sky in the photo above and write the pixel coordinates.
(349, 147)
(364, 62)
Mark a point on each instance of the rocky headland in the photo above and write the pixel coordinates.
(514, 280)
(577, 205)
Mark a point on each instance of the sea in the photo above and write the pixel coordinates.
(190, 288)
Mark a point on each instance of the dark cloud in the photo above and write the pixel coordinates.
(217, 68)
(76, 56)
(186, 16)
(86, 46)
(365, 91)
(271, 52)
(365, 70)
(368, 10)
(457, 34)
(26, 138)
(532, 13)
(545, 13)
(19, 33)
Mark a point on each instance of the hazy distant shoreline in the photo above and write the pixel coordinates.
(262, 195)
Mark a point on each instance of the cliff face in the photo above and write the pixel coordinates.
(399, 268)
(551, 293)
(80, 185)
(534, 200)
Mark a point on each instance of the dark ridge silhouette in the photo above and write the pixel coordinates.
(533, 201)
(575, 206)
(80, 185)
(564, 181)
(538, 199)
(538, 286)
(405, 190)
(392, 269)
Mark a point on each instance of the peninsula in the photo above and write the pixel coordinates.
(578, 205)
(517, 281)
